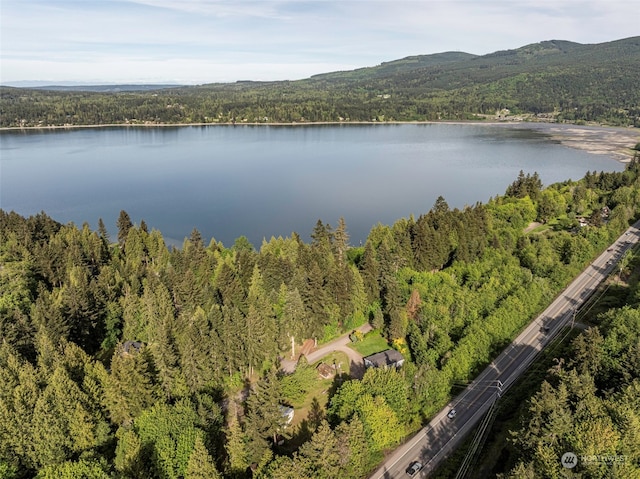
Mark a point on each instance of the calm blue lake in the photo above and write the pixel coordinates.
(263, 181)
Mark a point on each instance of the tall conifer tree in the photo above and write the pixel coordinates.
(264, 417)
(124, 224)
(129, 387)
(201, 465)
(102, 231)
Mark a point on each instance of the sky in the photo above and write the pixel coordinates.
(207, 41)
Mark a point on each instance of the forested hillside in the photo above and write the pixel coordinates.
(123, 358)
(551, 81)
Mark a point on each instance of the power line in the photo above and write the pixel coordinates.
(479, 438)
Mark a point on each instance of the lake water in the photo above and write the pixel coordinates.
(263, 181)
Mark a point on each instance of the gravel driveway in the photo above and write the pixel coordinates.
(356, 366)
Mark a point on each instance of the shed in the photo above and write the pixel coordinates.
(325, 371)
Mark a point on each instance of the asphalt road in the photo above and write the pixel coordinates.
(442, 435)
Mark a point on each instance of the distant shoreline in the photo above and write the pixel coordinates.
(615, 142)
(246, 123)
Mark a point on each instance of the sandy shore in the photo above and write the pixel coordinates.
(615, 142)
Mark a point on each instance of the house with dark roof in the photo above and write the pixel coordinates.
(385, 359)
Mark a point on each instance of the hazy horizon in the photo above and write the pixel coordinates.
(222, 41)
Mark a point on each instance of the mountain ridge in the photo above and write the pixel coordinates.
(559, 79)
(420, 61)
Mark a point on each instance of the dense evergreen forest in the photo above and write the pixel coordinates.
(123, 358)
(590, 403)
(549, 81)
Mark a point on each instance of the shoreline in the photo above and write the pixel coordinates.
(247, 123)
(615, 142)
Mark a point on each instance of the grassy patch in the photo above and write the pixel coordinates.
(340, 359)
(543, 228)
(372, 343)
(313, 385)
(312, 403)
(318, 391)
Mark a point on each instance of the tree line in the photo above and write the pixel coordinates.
(282, 103)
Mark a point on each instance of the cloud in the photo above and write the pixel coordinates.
(219, 8)
(290, 37)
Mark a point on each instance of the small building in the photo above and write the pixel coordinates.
(326, 371)
(130, 347)
(384, 359)
(287, 413)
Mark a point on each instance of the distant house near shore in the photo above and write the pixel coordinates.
(385, 359)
